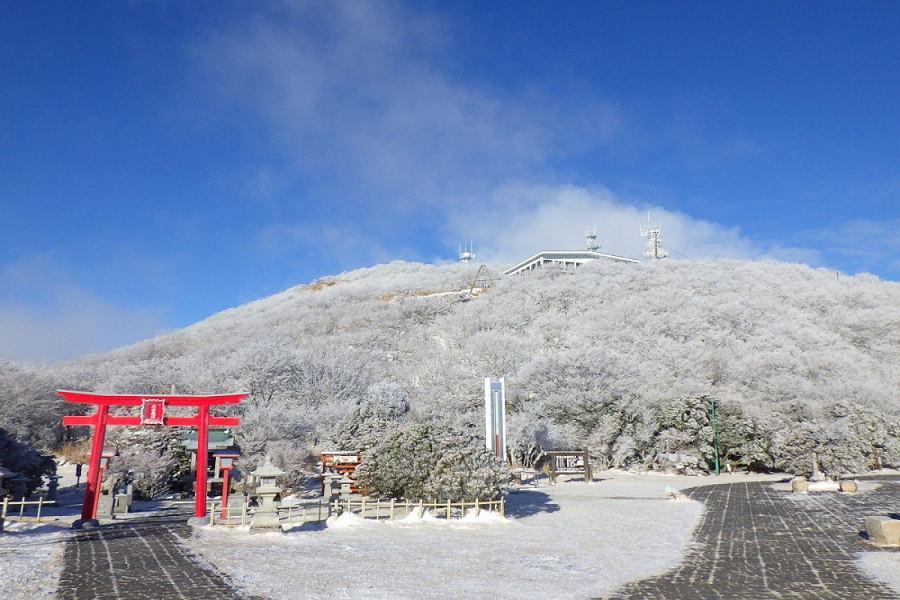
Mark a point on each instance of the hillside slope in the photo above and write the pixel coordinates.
(621, 357)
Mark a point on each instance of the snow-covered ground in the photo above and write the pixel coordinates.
(30, 560)
(31, 553)
(883, 566)
(567, 541)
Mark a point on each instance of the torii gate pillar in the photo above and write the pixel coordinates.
(153, 409)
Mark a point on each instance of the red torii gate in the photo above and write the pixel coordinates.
(153, 409)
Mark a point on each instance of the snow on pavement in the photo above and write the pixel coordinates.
(882, 566)
(30, 560)
(573, 540)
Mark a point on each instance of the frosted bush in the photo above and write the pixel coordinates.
(429, 461)
(150, 473)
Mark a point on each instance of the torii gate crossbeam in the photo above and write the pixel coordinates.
(153, 408)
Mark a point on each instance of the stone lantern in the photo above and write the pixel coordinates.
(266, 514)
(346, 488)
(53, 489)
(19, 486)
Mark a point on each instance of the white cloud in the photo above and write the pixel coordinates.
(44, 316)
(365, 100)
(366, 92)
(519, 220)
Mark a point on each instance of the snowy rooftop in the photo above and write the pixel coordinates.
(573, 257)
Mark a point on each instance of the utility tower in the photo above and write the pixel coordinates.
(466, 253)
(590, 237)
(654, 249)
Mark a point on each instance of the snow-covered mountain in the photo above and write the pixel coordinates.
(581, 351)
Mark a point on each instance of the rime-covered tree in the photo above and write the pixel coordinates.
(429, 461)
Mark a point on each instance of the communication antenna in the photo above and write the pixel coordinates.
(590, 237)
(654, 249)
(466, 253)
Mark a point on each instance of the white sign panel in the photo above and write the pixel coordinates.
(495, 417)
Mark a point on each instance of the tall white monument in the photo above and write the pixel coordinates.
(495, 416)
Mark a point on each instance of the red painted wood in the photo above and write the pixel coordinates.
(225, 473)
(123, 420)
(96, 497)
(92, 488)
(136, 400)
(89, 420)
(80, 420)
(99, 420)
(202, 462)
(182, 422)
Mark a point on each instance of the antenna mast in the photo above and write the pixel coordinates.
(466, 253)
(654, 250)
(590, 237)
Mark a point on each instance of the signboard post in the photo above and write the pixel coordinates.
(495, 417)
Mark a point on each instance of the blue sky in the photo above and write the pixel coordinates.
(162, 161)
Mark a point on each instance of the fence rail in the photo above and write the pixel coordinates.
(388, 509)
(379, 509)
(7, 504)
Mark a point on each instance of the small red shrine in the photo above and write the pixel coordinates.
(153, 412)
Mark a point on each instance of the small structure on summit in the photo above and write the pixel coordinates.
(568, 259)
(653, 234)
(466, 253)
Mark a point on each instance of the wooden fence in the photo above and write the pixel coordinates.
(391, 509)
(5, 511)
(319, 509)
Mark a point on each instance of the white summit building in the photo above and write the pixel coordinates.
(568, 259)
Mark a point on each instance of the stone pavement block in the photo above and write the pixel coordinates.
(137, 559)
(757, 542)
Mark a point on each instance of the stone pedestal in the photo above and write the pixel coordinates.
(799, 485)
(849, 486)
(883, 531)
(199, 521)
(106, 501)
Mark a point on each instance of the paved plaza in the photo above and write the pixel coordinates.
(139, 559)
(753, 541)
(758, 542)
